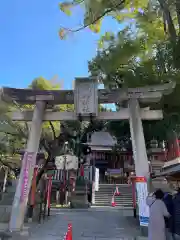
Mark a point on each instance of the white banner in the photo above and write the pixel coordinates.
(142, 193)
(96, 179)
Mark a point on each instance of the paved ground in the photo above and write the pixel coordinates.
(91, 224)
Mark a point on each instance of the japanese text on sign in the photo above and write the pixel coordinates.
(27, 167)
(142, 192)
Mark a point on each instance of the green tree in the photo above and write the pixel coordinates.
(130, 59)
(161, 18)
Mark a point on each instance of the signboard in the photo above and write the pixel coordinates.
(85, 97)
(142, 193)
(59, 162)
(71, 162)
(66, 162)
(115, 172)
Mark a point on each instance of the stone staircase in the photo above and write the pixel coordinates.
(103, 197)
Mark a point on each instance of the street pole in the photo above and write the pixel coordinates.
(28, 163)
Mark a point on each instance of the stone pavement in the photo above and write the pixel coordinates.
(90, 224)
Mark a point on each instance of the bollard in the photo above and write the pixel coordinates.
(134, 213)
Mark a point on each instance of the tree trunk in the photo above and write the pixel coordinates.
(178, 12)
(42, 171)
(167, 14)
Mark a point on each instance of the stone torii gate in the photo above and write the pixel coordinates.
(86, 98)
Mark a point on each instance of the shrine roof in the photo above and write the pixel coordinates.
(102, 139)
(171, 170)
(171, 163)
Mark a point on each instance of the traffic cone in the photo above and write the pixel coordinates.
(69, 231)
(66, 236)
(117, 193)
(113, 204)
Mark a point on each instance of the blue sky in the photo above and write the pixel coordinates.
(30, 46)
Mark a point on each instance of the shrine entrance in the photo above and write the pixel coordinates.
(86, 98)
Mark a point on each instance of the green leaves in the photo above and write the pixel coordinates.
(44, 84)
(107, 37)
(66, 7)
(96, 27)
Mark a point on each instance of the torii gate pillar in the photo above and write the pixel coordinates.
(28, 164)
(138, 141)
(141, 162)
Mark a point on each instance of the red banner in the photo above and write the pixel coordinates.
(33, 188)
(49, 192)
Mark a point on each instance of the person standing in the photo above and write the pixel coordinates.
(176, 216)
(168, 200)
(157, 212)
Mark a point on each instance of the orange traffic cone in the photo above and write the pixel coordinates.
(69, 231)
(66, 236)
(113, 204)
(117, 193)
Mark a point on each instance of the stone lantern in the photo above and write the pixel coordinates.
(153, 143)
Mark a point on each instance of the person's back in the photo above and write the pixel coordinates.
(168, 200)
(176, 214)
(157, 212)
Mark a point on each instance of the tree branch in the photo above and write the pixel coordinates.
(6, 164)
(53, 129)
(42, 171)
(43, 143)
(109, 10)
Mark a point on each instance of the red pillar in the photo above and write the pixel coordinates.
(49, 194)
(33, 188)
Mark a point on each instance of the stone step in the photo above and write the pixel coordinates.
(113, 189)
(102, 203)
(100, 194)
(117, 200)
(109, 203)
(103, 197)
(112, 192)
